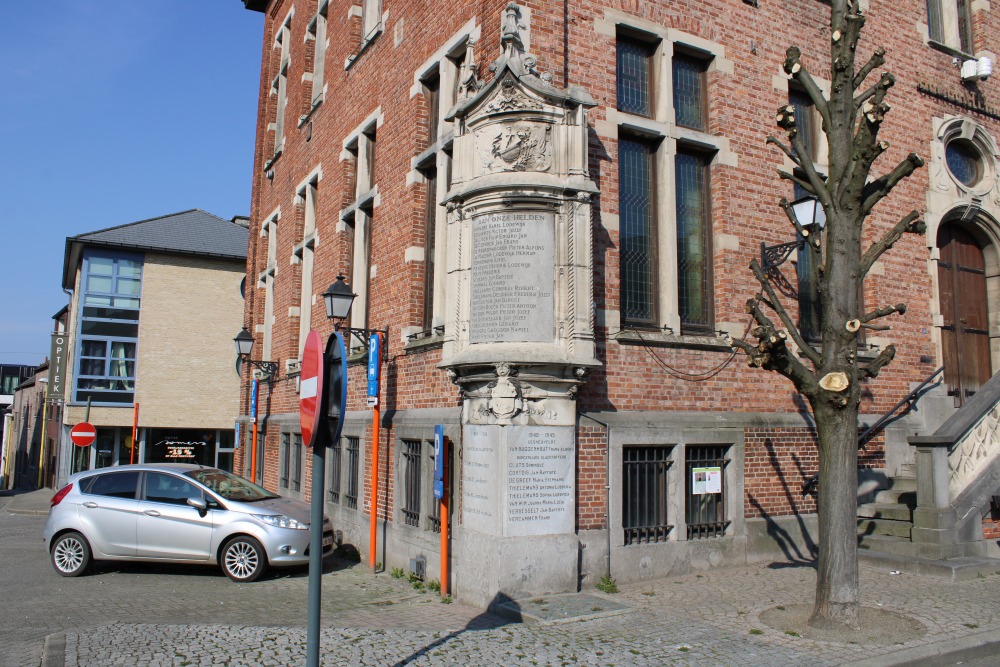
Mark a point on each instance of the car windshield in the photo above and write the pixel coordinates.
(229, 486)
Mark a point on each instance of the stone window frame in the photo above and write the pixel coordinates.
(316, 32)
(429, 506)
(975, 208)
(304, 252)
(356, 430)
(947, 30)
(371, 21)
(678, 439)
(266, 278)
(660, 130)
(279, 85)
(444, 65)
(357, 217)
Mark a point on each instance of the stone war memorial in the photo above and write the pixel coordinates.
(519, 224)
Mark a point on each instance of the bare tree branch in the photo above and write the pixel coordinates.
(793, 67)
(771, 351)
(783, 148)
(879, 188)
(877, 60)
(878, 363)
(883, 312)
(811, 239)
(775, 304)
(805, 185)
(909, 223)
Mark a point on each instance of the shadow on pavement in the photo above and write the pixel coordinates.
(484, 621)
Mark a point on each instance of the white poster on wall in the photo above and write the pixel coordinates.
(706, 480)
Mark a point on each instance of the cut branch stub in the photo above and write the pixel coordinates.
(792, 64)
(835, 381)
(785, 117)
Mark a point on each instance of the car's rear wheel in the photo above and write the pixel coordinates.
(71, 555)
(243, 559)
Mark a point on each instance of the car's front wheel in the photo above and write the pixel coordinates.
(243, 559)
(71, 555)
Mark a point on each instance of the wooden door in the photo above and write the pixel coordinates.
(962, 293)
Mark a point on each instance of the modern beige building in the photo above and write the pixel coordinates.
(154, 308)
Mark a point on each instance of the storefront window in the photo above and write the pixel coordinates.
(180, 445)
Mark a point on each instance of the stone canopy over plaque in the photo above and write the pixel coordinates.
(519, 337)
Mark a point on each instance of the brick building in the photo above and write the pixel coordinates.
(558, 244)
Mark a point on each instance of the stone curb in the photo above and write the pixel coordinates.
(14, 510)
(940, 654)
(54, 652)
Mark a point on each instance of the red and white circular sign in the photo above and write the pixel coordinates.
(311, 387)
(83, 434)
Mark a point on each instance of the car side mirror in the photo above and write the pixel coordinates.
(199, 504)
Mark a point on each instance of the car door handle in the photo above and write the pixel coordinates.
(151, 513)
(91, 504)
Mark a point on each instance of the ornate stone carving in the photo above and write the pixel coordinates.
(521, 146)
(510, 98)
(505, 400)
(974, 451)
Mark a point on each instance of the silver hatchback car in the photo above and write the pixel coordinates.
(179, 513)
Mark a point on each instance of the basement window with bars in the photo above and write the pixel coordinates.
(290, 472)
(411, 482)
(353, 464)
(645, 487)
(334, 454)
(705, 466)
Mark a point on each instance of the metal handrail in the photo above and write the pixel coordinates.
(909, 401)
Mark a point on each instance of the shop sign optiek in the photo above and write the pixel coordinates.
(57, 366)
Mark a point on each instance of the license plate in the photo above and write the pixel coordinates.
(328, 541)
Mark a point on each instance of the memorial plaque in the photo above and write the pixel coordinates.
(512, 278)
(481, 479)
(539, 480)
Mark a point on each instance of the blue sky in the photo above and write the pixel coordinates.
(115, 111)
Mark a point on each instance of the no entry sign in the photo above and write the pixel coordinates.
(83, 434)
(311, 387)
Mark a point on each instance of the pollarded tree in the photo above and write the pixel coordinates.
(828, 373)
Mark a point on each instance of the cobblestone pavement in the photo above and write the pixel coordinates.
(170, 615)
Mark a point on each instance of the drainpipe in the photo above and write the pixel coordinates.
(607, 483)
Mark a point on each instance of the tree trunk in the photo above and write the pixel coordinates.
(837, 600)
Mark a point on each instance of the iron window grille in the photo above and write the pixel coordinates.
(645, 487)
(706, 512)
(291, 461)
(335, 452)
(353, 462)
(411, 482)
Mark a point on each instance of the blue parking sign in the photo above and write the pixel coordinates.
(439, 461)
(374, 357)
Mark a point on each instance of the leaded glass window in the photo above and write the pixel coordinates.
(637, 231)
(689, 92)
(633, 77)
(693, 241)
